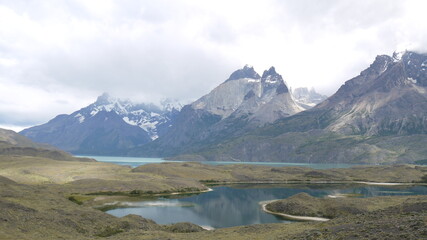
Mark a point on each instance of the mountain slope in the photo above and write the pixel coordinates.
(109, 126)
(378, 116)
(243, 102)
(13, 144)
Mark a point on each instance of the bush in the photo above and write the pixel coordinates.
(74, 200)
(109, 231)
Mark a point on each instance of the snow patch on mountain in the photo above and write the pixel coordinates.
(412, 80)
(80, 117)
(307, 98)
(397, 56)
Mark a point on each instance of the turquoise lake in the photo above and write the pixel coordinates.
(137, 161)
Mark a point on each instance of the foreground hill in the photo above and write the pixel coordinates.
(379, 116)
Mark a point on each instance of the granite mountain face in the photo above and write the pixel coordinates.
(379, 116)
(109, 126)
(262, 99)
(245, 101)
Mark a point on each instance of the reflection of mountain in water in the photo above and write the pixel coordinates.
(229, 206)
(237, 205)
(232, 206)
(375, 191)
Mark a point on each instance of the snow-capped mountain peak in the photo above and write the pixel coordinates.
(307, 98)
(270, 72)
(270, 76)
(171, 105)
(149, 117)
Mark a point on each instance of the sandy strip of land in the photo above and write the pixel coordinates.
(209, 228)
(336, 196)
(180, 193)
(292, 217)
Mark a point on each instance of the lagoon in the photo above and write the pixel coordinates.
(236, 205)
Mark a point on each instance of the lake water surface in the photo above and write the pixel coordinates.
(236, 205)
(228, 206)
(138, 161)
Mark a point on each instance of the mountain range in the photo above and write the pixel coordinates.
(109, 126)
(243, 102)
(379, 116)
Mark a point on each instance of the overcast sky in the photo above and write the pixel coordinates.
(58, 56)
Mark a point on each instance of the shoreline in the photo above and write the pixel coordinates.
(305, 218)
(292, 182)
(291, 217)
(385, 183)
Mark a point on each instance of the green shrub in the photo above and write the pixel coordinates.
(74, 200)
(109, 231)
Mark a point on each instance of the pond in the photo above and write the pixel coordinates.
(236, 205)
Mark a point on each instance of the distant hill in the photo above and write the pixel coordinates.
(14, 144)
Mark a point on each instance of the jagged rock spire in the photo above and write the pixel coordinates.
(246, 72)
(269, 72)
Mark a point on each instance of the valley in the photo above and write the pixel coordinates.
(132, 120)
(377, 117)
(37, 190)
(51, 197)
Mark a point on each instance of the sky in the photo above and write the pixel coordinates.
(57, 56)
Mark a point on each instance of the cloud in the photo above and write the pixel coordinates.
(57, 56)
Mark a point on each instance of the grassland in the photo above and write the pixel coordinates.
(254, 173)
